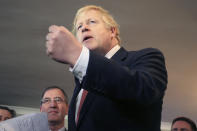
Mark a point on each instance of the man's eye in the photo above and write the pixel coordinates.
(58, 100)
(92, 21)
(79, 27)
(46, 100)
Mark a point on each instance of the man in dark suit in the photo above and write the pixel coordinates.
(119, 90)
(55, 103)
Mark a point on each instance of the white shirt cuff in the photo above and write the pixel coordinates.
(80, 67)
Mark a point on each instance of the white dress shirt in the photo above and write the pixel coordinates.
(79, 69)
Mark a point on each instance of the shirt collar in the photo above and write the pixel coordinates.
(112, 51)
(62, 129)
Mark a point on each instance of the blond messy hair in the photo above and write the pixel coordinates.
(107, 18)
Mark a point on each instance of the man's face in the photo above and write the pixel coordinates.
(4, 115)
(92, 32)
(181, 126)
(56, 110)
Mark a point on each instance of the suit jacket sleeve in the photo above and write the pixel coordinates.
(139, 76)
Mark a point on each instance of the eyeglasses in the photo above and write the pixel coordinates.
(57, 100)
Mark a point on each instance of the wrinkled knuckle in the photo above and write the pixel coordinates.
(61, 32)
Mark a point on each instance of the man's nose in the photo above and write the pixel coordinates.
(85, 28)
(53, 103)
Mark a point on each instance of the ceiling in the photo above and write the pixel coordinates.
(25, 69)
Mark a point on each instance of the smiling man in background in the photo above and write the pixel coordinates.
(55, 103)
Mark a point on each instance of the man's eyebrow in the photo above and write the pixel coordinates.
(52, 98)
(46, 98)
(77, 24)
(58, 97)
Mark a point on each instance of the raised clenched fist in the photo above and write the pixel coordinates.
(62, 45)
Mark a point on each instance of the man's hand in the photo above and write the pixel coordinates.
(62, 46)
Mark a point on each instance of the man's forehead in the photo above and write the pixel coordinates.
(4, 111)
(51, 93)
(182, 125)
(85, 15)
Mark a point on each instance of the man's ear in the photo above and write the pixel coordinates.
(67, 107)
(113, 31)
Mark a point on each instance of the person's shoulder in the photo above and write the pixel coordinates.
(147, 51)
(150, 49)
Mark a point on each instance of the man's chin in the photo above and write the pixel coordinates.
(53, 120)
(53, 117)
(91, 46)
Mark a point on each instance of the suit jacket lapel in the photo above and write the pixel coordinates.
(72, 107)
(118, 56)
(87, 103)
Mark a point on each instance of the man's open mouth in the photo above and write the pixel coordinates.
(87, 38)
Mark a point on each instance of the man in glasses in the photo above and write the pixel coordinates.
(55, 103)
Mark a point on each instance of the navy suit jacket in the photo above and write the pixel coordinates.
(125, 93)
